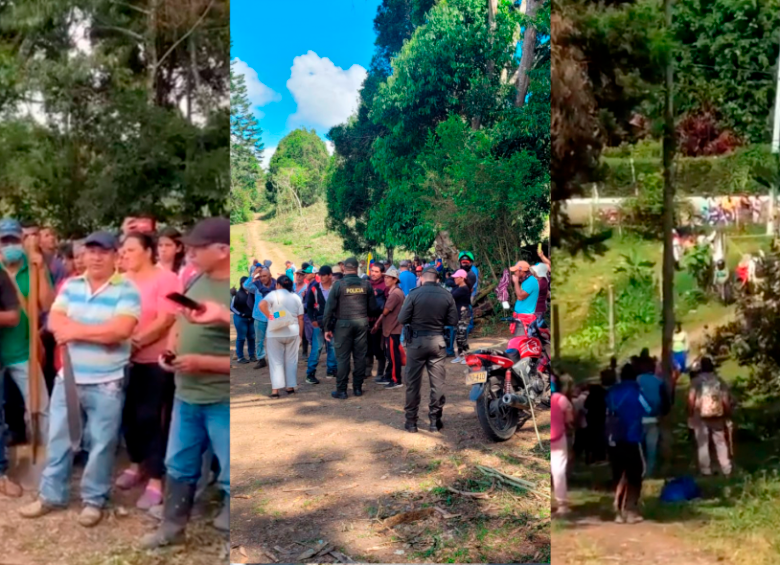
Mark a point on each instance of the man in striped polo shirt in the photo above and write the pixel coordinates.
(93, 316)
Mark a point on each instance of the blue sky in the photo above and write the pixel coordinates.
(303, 61)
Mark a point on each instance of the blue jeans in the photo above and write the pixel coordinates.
(680, 359)
(245, 332)
(652, 435)
(260, 329)
(102, 404)
(317, 343)
(193, 428)
(450, 341)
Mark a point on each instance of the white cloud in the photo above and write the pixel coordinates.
(268, 152)
(329, 145)
(326, 94)
(258, 93)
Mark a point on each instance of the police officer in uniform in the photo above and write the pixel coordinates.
(345, 321)
(425, 313)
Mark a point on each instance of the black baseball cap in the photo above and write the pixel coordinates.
(102, 239)
(351, 262)
(209, 232)
(326, 270)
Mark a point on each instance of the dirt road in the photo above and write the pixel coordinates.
(308, 472)
(263, 249)
(592, 541)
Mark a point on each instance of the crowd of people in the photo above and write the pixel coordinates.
(373, 319)
(121, 363)
(625, 420)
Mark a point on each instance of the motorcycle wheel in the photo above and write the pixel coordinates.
(504, 422)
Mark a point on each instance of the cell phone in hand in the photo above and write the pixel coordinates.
(166, 361)
(184, 301)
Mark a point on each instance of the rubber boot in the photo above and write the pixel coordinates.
(179, 498)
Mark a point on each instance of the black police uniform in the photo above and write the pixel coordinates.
(346, 314)
(427, 309)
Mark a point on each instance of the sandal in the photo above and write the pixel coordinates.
(290, 391)
(150, 498)
(274, 395)
(128, 479)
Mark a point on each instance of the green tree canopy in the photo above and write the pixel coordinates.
(297, 170)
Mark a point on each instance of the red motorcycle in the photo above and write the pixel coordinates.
(504, 384)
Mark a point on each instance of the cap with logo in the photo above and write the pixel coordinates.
(466, 255)
(210, 231)
(103, 239)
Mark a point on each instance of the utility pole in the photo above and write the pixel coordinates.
(668, 221)
(770, 222)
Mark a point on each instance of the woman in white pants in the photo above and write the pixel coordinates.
(282, 342)
(561, 421)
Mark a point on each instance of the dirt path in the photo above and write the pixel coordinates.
(58, 539)
(262, 249)
(307, 470)
(595, 542)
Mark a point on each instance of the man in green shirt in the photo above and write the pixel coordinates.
(18, 263)
(201, 409)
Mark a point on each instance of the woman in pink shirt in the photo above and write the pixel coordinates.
(561, 420)
(150, 388)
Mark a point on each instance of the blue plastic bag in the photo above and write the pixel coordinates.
(680, 489)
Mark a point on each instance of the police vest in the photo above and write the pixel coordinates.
(353, 299)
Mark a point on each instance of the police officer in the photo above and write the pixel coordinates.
(426, 311)
(345, 320)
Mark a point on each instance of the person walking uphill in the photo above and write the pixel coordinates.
(201, 406)
(427, 309)
(94, 317)
(345, 322)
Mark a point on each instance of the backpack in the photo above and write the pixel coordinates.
(711, 398)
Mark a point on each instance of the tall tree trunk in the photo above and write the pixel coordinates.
(668, 262)
(390, 253)
(151, 47)
(527, 56)
(446, 249)
(476, 121)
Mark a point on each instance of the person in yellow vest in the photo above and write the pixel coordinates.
(680, 348)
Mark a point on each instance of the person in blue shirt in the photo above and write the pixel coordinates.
(626, 408)
(526, 288)
(656, 392)
(259, 284)
(407, 279)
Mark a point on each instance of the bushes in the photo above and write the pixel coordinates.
(700, 176)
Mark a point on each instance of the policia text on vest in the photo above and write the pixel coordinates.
(347, 310)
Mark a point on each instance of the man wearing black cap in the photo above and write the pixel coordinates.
(201, 409)
(316, 299)
(345, 321)
(427, 309)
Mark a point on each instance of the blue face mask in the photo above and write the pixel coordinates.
(13, 253)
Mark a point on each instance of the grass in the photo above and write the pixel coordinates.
(579, 280)
(306, 235)
(239, 261)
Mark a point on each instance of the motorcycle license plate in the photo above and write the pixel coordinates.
(476, 378)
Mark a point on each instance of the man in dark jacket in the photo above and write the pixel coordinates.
(427, 310)
(345, 322)
(316, 299)
(242, 320)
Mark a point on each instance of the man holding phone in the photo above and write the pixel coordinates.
(201, 409)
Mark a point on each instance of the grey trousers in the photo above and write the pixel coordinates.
(715, 430)
(429, 352)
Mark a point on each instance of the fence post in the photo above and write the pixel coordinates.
(556, 333)
(611, 298)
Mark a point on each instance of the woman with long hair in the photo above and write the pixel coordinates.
(282, 342)
(149, 398)
(170, 250)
